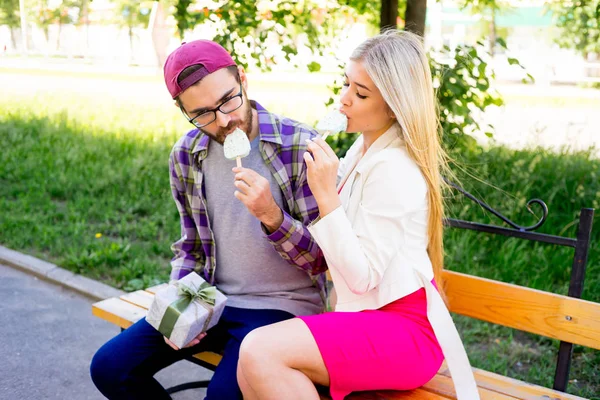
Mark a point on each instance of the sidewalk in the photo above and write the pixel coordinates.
(49, 337)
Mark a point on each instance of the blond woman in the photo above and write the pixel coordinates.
(380, 229)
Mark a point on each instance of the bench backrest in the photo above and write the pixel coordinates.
(566, 318)
(555, 316)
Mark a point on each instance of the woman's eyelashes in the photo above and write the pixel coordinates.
(360, 96)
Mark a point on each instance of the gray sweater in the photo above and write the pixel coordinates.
(248, 269)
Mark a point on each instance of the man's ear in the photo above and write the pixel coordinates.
(243, 77)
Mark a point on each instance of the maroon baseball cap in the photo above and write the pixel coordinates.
(205, 52)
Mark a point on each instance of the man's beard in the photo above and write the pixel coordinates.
(245, 125)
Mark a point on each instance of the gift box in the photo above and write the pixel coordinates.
(186, 308)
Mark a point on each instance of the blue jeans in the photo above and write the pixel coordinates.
(124, 367)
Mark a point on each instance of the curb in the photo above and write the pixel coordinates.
(52, 273)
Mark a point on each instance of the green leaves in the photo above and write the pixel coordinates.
(463, 78)
(9, 13)
(261, 34)
(579, 25)
(132, 13)
(314, 66)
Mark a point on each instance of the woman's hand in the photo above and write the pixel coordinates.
(322, 166)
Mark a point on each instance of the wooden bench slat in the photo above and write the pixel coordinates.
(547, 314)
(140, 298)
(440, 387)
(156, 288)
(209, 357)
(417, 394)
(443, 385)
(514, 387)
(118, 312)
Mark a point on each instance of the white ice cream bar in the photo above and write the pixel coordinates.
(333, 122)
(236, 144)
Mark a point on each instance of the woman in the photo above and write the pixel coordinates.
(380, 230)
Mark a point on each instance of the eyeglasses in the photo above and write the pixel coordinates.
(208, 117)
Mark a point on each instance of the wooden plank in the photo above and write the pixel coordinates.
(417, 394)
(513, 387)
(444, 386)
(156, 288)
(118, 312)
(547, 314)
(209, 357)
(140, 298)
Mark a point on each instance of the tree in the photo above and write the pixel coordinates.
(43, 16)
(63, 16)
(388, 15)
(372, 12)
(84, 18)
(579, 25)
(10, 16)
(414, 17)
(488, 10)
(258, 31)
(46, 14)
(462, 76)
(132, 14)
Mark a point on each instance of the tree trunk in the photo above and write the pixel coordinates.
(388, 15)
(493, 33)
(58, 36)
(415, 16)
(86, 20)
(13, 38)
(130, 29)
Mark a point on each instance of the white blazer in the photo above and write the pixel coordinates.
(375, 243)
(378, 237)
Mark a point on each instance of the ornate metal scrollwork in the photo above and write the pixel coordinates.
(521, 228)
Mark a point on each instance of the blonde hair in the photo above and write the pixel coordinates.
(397, 64)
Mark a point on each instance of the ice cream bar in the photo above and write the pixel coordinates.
(236, 146)
(332, 122)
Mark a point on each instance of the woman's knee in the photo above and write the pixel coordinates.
(255, 351)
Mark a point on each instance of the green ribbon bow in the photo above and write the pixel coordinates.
(205, 295)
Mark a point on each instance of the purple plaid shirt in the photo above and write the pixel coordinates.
(282, 145)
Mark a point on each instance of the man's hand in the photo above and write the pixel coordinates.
(255, 192)
(194, 341)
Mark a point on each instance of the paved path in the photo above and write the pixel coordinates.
(48, 337)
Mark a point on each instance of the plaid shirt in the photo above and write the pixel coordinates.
(282, 145)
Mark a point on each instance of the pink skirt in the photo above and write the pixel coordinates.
(392, 348)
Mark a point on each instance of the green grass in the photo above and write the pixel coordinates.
(567, 182)
(84, 184)
(62, 185)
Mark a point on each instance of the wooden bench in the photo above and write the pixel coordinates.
(566, 318)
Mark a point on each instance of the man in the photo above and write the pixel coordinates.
(243, 229)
